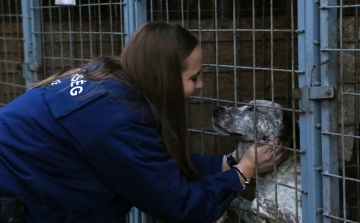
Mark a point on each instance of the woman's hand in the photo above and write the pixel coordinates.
(265, 158)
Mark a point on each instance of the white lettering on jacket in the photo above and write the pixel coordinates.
(57, 81)
(76, 82)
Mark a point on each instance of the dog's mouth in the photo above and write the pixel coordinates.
(241, 137)
(220, 130)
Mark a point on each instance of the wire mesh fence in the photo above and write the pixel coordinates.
(11, 51)
(347, 51)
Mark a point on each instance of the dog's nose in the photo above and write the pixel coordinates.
(219, 110)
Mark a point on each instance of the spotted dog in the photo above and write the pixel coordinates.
(274, 202)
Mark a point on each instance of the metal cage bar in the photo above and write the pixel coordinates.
(309, 63)
(32, 41)
(134, 16)
(328, 69)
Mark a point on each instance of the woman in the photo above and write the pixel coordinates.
(88, 144)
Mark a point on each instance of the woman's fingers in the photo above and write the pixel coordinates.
(277, 141)
(278, 150)
(268, 154)
(279, 157)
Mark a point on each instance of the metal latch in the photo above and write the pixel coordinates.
(306, 93)
(313, 93)
(322, 92)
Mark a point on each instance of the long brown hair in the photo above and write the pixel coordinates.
(152, 63)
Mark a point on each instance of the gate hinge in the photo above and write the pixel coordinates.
(313, 93)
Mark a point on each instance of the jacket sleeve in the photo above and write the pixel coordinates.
(131, 160)
(206, 164)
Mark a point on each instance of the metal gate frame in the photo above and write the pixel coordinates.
(134, 17)
(32, 40)
(317, 36)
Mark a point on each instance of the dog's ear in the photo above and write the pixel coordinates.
(287, 131)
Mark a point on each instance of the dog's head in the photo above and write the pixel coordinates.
(253, 121)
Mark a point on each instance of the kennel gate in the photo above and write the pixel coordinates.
(330, 90)
(254, 42)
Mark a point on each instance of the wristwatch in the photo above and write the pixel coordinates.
(230, 159)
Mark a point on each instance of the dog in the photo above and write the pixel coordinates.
(278, 196)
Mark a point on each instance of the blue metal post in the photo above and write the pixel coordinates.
(32, 40)
(310, 119)
(134, 17)
(328, 40)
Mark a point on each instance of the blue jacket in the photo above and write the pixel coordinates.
(84, 151)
